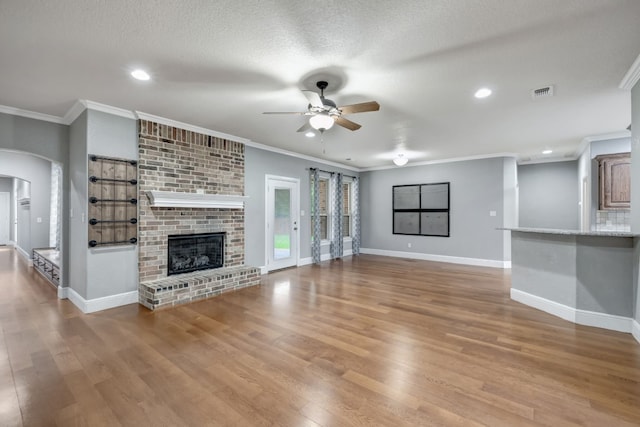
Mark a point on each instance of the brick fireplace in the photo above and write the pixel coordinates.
(175, 161)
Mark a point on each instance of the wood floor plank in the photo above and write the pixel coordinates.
(362, 341)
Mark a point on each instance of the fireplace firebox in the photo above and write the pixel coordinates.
(193, 252)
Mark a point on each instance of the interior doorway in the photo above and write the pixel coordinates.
(5, 218)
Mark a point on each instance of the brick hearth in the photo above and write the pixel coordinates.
(177, 160)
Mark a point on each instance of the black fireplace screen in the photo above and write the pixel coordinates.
(192, 252)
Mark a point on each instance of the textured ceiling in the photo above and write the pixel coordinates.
(220, 64)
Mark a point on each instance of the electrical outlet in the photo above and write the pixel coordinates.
(408, 245)
(492, 213)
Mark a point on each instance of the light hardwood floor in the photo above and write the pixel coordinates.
(364, 341)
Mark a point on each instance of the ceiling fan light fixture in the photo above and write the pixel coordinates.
(321, 122)
(401, 160)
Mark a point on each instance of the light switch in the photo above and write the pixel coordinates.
(301, 213)
(38, 220)
(492, 213)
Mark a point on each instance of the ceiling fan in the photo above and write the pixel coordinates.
(324, 112)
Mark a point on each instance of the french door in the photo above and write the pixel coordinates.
(282, 225)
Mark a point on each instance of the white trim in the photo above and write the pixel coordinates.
(12, 243)
(84, 104)
(263, 270)
(24, 254)
(264, 147)
(63, 292)
(603, 320)
(435, 162)
(581, 317)
(104, 303)
(635, 330)
(96, 106)
(170, 199)
(547, 160)
(74, 112)
(560, 310)
(438, 258)
(633, 75)
(323, 257)
(174, 123)
(31, 114)
(267, 211)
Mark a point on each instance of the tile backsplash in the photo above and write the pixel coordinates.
(613, 220)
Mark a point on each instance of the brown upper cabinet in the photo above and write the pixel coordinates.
(614, 175)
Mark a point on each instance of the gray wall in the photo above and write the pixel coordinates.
(38, 172)
(44, 139)
(477, 187)
(47, 140)
(549, 195)
(635, 186)
(113, 270)
(6, 186)
(78, 235)
(258, 164)
(107, 271)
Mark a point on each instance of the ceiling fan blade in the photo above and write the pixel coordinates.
(301, 113)
(347, 123)
(363, 107)
(305, 127)
(313, 98)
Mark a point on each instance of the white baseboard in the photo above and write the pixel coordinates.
(63, 293)
(635, 330)
(24, 254)
(439, 258)
(104, 303)
(323, 257)
(263, 270)
(581, 317)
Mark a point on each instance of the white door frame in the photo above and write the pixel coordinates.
(295, 217)
(5, 218)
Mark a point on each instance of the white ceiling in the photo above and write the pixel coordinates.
(220, 64)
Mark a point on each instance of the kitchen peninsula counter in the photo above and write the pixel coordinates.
(582, 276)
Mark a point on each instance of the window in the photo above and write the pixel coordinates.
(323, 207)
(346, 209)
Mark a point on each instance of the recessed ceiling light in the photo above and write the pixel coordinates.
(309, 134)
(482, 93)
(140, 75)
(547, 152)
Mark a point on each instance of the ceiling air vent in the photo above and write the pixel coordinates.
(542, 92)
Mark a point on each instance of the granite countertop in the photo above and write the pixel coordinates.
(572, 232)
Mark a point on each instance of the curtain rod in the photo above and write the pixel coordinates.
(331, 173)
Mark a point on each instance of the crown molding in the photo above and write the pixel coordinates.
(115, 111)
(586, 141)
(264, 147)
(548, 160)
(31, 114)
(633, 75)
(436, 162)
(74, 112)
(186, 126)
